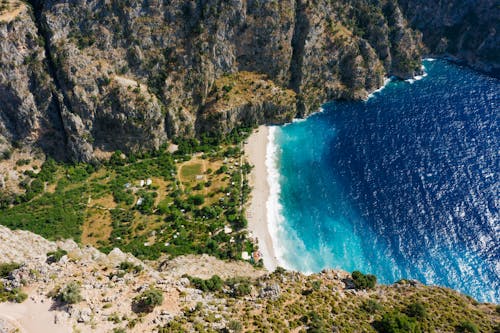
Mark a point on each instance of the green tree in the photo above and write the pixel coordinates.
(148, 300)
(416, 310)
(397, 322)
(363, 281)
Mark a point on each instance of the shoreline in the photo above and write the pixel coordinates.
(255, 151)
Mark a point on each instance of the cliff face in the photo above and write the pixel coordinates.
(467, 30)
(29, 108)
(129, 75)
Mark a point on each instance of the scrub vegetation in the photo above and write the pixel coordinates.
(190, 201)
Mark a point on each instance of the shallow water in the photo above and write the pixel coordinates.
(403, 185)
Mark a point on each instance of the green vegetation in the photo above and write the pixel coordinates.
(467, 327)
(363, 281)
(150, 204)
(130, 267)
(416, 310)
(69, 294)
(215, 283)
(11, 295)
(7, 268)
(328, 307)
(55, 256)
(397, 322)
(148, 300)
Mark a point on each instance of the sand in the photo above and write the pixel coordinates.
(255, 151)
(32, 317)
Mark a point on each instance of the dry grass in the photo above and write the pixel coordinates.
(10, 9)
(97, 226)
(246, 87)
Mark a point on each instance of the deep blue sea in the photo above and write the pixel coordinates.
(403, 185)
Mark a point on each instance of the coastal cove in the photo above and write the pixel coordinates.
(403, 185)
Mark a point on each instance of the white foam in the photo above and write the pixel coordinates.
(275, 217)
(430, 59)
(386, 82)
(417, 77)
(300, 120)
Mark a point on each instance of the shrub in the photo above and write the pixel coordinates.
(371, 306)
(197, 199)
(363, 281)
(11, 295)
(397, 322)
(147, 301)
(416, 310)
(70, 294)
(467, 327)
(235, 326)
(55, 256)
(130, 267)
(213, 284)
(7, 268)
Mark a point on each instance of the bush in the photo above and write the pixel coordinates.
(55, 256)
(397, 322)
(371, 306)
(363, 281)
(467, 327)
(147, 301)
(213, 284)
(11, 295)
(7, 268)
(235, 326)
(197, 199)
(416, 310)
(70, 294)
(130, 267)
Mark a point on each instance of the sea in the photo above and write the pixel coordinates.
(404, 185)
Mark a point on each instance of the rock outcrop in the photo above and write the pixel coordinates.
(29, 107)
(466, 30)
(101, 75)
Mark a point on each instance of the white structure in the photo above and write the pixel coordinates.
(139, 201)
(141, 183)
(149, 181)
(245, 256)
(227, 230)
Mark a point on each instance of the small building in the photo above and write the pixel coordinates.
(141, 183)
(227, 230)
(139, 201)
(127, 185)
(149, 181)
(199, 177)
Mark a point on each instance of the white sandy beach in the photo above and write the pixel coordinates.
(255, 151)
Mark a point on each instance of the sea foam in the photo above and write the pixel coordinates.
(274, 208)
(386, 82)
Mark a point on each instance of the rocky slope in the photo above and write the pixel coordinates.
(248, 300)
(465, 30)
(83, 77)
(89, 76)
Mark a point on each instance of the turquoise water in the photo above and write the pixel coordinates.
(403, 185)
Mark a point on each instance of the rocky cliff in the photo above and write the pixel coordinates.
(81, 77)
(466, 30)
